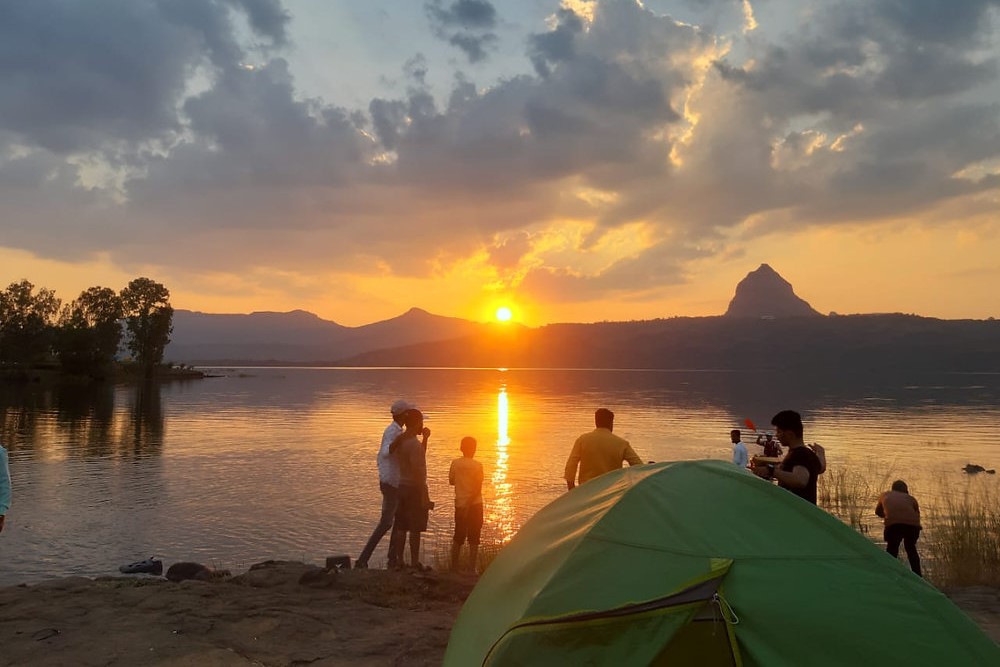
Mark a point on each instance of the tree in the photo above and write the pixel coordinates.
(26, 323)
(90, 331)
(148, 321)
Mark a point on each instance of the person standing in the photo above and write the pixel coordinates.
(4, 486)
(801, 467)
(414, 500)
(598, 451)
(388, 480)
(771, 447)
(741, 458)
(466, 475)
(902, 522)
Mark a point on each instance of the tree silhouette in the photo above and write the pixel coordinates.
(90, 331)
(148, 322)
(26, 320)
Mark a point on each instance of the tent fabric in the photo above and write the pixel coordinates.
(590, 579)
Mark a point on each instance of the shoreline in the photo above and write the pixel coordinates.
(276, 613)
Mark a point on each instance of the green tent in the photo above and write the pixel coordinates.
(701, 563)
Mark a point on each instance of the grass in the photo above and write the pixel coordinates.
(960, 541)
(490, 545)
(965, 550)
(851, 494)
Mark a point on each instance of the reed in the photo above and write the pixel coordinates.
(965, 531)
(850, 494)
(490, 545)
(960, 541)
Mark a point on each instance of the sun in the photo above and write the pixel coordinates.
(504, 314)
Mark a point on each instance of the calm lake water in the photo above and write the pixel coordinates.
(280, 462)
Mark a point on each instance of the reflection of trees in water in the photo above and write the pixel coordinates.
(21, 409)
(83, 420)
(143, 434)
(87, 413)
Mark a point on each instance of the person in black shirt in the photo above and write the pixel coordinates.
(771, 446)
(801, 467)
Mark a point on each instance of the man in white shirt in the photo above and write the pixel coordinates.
(740, 456)
(388, 480)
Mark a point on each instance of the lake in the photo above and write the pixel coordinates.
(262, 463)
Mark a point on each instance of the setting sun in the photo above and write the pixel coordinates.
(504, 314)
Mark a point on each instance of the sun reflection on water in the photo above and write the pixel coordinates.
(501, 512)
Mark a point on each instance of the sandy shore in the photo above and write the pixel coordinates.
(278, 613)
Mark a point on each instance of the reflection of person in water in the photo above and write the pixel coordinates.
(4, 486)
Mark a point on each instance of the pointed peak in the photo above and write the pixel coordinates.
(764, 293)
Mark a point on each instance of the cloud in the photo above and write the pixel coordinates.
(464, 14)
(632, 144)
(96, 75)
(557, 45)
(466, 24)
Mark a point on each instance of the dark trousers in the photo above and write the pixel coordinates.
(908, 535)
(390, 502)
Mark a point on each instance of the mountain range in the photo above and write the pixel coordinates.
(300, 337)
(766, 327)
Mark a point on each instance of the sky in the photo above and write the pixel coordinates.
(577, 161)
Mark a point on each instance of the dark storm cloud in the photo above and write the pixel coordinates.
(465, 24)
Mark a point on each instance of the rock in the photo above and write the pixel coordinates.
(765, 294)
(317, 577)
(274, 573)
(187, 570)
(338, 562)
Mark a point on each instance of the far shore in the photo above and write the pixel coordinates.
(276, 613)
(49, 375)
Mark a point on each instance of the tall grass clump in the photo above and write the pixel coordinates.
(850, 494)
(964, 548)
(490, 544)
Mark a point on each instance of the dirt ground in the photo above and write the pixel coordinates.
(278, 613)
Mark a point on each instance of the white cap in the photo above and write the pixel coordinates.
(399, 407)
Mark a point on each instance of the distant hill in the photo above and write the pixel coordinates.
(767, 327)
(867, 343)
(763, 293)
(300, 337)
